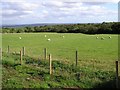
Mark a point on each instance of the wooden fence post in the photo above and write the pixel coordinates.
(50, 63)
(45, 53)
(116, 74)
(76, 57)
(23, 51)
(21, 57)
(8, 49)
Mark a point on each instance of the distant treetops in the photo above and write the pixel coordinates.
(90, 28)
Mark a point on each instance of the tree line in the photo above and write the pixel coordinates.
(90, 28)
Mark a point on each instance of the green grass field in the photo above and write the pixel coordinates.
(64, 48)
(94, 55)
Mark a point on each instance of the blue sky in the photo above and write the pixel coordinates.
(58, 11)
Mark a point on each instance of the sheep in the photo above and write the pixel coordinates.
(109, 36)
(102, 38)
(20, 38)
(49, 39)
(96, 37)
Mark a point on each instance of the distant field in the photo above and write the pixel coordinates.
(92, 52)
(64, 48)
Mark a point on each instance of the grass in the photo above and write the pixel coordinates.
(36, 75)
(96, 63)
(88, 46)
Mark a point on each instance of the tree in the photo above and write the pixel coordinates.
(91, 29)
(116, 28)
(104, 28)
(36, 29)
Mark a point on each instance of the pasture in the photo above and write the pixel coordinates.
(64, 48)
(94, 53)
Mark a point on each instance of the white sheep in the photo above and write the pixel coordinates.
(49, 39)
(109, 36)
(102, 38)
(20, 38)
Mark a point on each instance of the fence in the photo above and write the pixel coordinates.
(22, 53)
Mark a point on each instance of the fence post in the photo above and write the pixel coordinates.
(21, 57)
(0, 53)
(23, 51)
(45, 53)
(116, 74)
(76, 57)
(50, 63)
(8, 49)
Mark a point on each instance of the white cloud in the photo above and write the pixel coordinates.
(12, 0)
(112, 1)
(92, 1)
(13, 9)
(74, 9)
(9, 12)
(55, 3)
(56, 9)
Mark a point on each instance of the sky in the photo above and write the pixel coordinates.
(58, 11)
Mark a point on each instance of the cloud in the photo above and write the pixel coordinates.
(53, 10)
(16, 9)
(62, 9)
(94, 3)
(81, 1)
(53, 3)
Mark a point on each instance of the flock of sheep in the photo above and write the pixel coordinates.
(45, 36)
(102, 38)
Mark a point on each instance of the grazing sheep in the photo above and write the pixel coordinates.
(102, 38)
(20, 38)
(109, 36)
(49, 39)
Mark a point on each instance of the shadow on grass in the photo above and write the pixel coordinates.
(107, 85)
